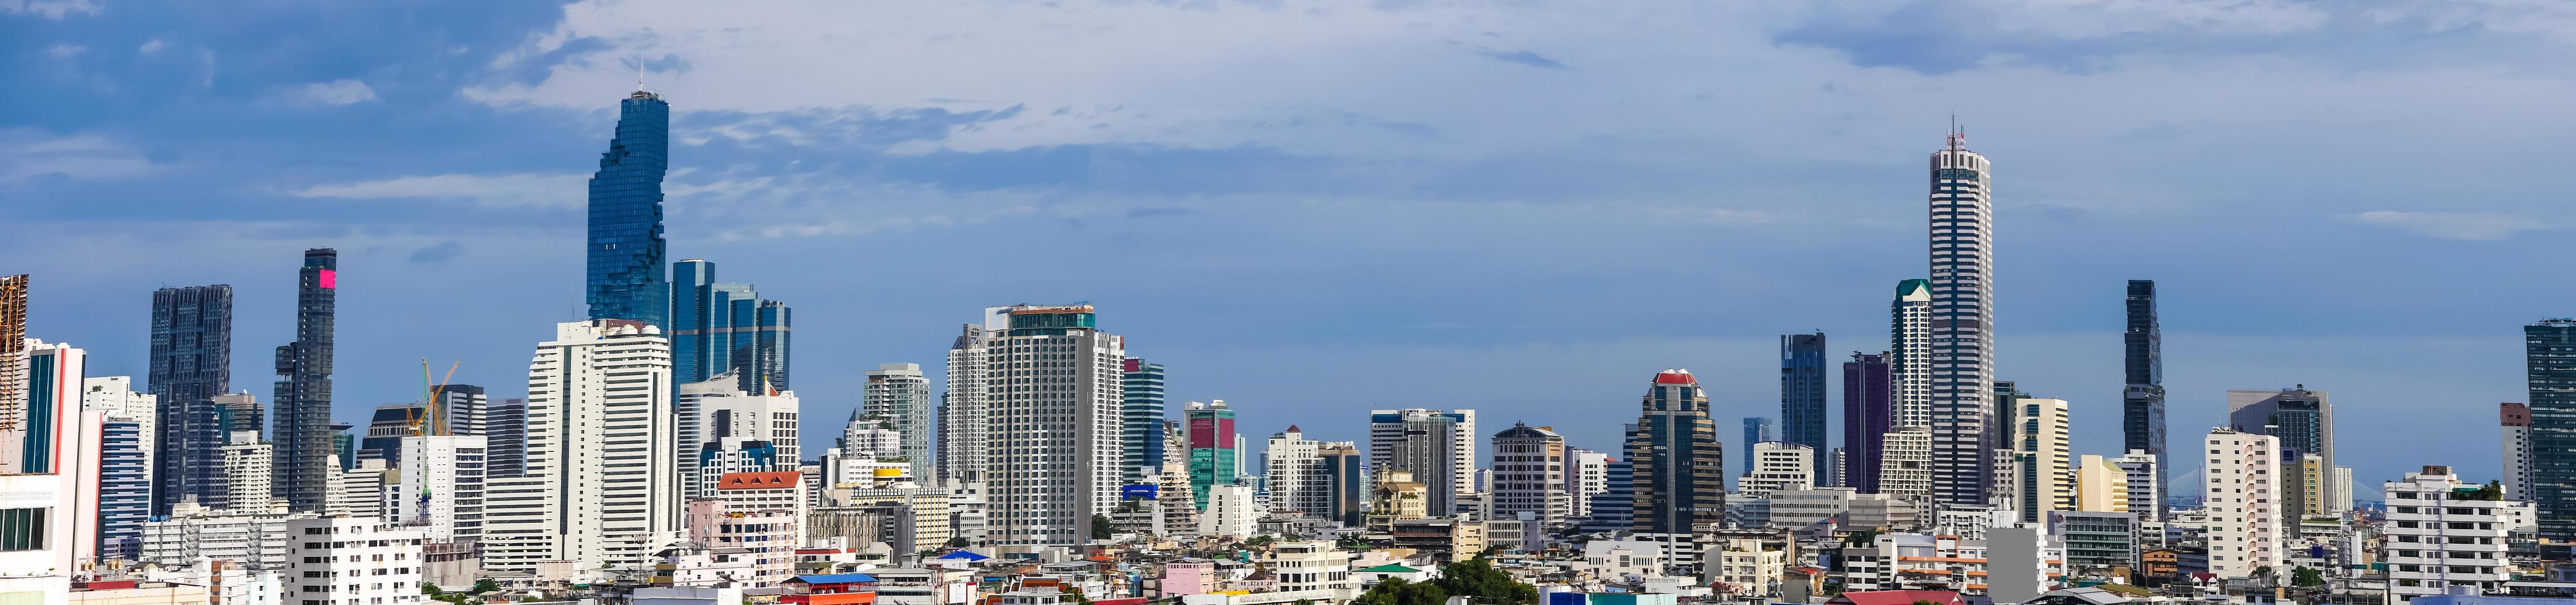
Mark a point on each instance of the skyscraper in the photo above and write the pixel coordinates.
(2302, 418)
(41, 424)
(1212, 451)
(1062, 409)
(13, 337)
(1143, 435)
(2245, 532)
(1905, 468)
(2142, 401)
(965, 421)
(1678, 464)
(1802, 394)
(722, 431)
(2041, 450)
(463, 408)
(899, 392)
(2549, 363)
(301, 429)
(1426, 445)
(1962, 348)
(1345, 483)
(505, 432)
(1388, 427)
(600, 486)
(1293, 471)
(1869, 409)
(625, 248)
(1757, 429)
(191, 363)
(2516, 441)
(723, 328)
(1529, 474)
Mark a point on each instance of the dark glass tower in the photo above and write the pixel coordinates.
(1869, 410)
(726, 327)
(2142, 401)
(191, 362)
(1679, 464)
(1142, 416)
(1802, 395)
(300, 413)
(626, 249)
(2549, 357)
(1757, 429)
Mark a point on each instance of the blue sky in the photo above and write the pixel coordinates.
(1310, 209)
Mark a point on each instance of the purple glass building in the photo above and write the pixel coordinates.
(1869, 405)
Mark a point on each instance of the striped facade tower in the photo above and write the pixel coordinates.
(1964, 430)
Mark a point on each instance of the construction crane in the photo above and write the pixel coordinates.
(430, 419)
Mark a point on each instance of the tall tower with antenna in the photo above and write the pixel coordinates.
(1964, 430)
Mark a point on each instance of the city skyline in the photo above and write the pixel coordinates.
(2072, 304)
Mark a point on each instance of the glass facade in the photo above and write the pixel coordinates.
(1142, 417)
(1869, 411)
(2549, 348)
(1802, 394)
(1678, 462)
(726, 327)
(625, 248)
(300, 425)
(125, 490)
(1212, 454)
(191, 362)
(2142, 402)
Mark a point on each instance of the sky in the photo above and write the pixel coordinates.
(1313, 209)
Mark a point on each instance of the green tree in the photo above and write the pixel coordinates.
(1480, 580)
(2307, 577)
(1100, 527)
(1397, 591)
(486, 585)
(1260, 540)
(2263, 574)
(2492, 491)
(429, 589)
(957, 542)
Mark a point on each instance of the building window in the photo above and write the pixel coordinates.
(22, 529)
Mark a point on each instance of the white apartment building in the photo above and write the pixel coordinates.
(439, 487)
(1794, 508)
(2516, 443)
(50, 488)
(1314, 567)
(1587, 474)
(1387, 427)
(1529, 475)
(115, 396)
(346, 561)
(1292, 467)
(1962, 349)
(763, 514)
(191, 532)
(900, 393)
(2042, 469)
(1925, 562)
(1055, 390)
(2101, 486)
(358, 492)
(601, 485)
(1230, 512)
(2243, 492)
(2441, 533)
(1778, 465)
(965, 415)
(246, 473)
(2143, 473)
(1746, 569)
(723, 430)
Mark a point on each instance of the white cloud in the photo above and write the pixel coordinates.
(336, 92)
(65, 51)
(50, 9)
(498, 191)
(2457, 225)
(152, 47)
(27, 154)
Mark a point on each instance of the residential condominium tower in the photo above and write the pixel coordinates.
(726, 328)
(2244, 495)
(1529, 474)
(1802, 394)
(2142, 401)
(2303, 419)
(1757, 429)
(1678, 465)
(1962, 348)
(1387, 427)
(965, 421)
(1905, 468)
(600, 487)
(191, 363)
(625, 248)
(2549, 361)
(2041, 448)
(900, 393)
(1056, 395)
(301, 409)
(2516, 441)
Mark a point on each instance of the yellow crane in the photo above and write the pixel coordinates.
(429, 413)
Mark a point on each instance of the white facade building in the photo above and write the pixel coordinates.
(900, 393)
(1746, 568)
(965, 415)
(2042, 469)
(358, 492)
(192, 533)
(2143, 475)
(1962, 348)
(1056, 392)
(723, 430)
(2516, 442)
(1292, 468)
(1316, 568)
(762, 514)
(439, 487)
(1529, 475)
(2243, 491)
(347, 561)
(2440, 535)
(50, 487)
(1778, 465)
(1386, 428)
(1587, 474)
(246, 473)
(1230, 512)
(601, 485)
(115, 396)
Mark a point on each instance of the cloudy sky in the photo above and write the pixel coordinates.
(1310, 209)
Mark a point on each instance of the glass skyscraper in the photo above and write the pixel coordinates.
(626, 248)
(726, 327)
(191, 362)
(1757, 429)
(301, 423)
(2142, 401)
(1213, 457)
(2549, 349)
(1869, 412)
(1802, 394)
(1142, 415)
(1678, 462)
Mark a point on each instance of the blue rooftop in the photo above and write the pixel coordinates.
(838, 578)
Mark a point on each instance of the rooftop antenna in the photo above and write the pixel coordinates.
(1958, 138)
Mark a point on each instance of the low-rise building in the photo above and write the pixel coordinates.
(352, 561)
(2442, 533)
(1744, 567)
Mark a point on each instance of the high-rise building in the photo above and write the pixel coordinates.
(1213, 455)
(505, 438)
(115, 396)
(1387, 427)
(48, 398)
(463, 409)
(1905, 450)
(1869, 411)
(1757, 429)
(2516, 443)
(301, 425)
(900, 393)
(438, 486)
(600, 486)
(2144, 474)
(191, 363)
(965, 419)
(2438, 539)
(1587, 474)
(2244, 496)
(250, 466)
(2041, 445)
(386, 428)
(1059, 392)
(2549, 363)
(726, 328)
(2339, 491)
(625, 249)
(1424, 445)
(1143, 435)
(1292, 470)
(1777, 466)
(1962, 348)
(2302, 418)
(1677, 461)
(1802, 394)
(2100, 485)
(1529, 474)
(13, 335)
(1614, 509)
(2142, 401)
(124, 486)
(724, 431)
(1346, 485)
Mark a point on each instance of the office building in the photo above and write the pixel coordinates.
(2144, 474)
(965, 422)
(249, 469)
(2044, 472)
(1213, 456)
(604, 435)
(1614, 509)
(1142, 437)
(1587, 474)
(1345, 482)
(2243, 495)
(1802, 394)
(723, 431)
(2516, 443)
(1779, 465)
(300, 422)
(462, 408)
(388, 425)
(359, 491)
(1292, 470)
(2097, 540)
(1964, 430)
(1425, 445)
(2303, 419)
(900, 393)
(1757, 429)
(1905, 466)
(2142, 400)
(352, 561)
(1529, 475)
(115, 396)
(1869, 412)
(722, 328)
(1387, 427)
(1062, 389)
(624, 279)
(191, 363)
(2441, 533)
(505, 438)
(2100, 485)
(2549, 363)
(438, 485)
(124, 486)
(1797, 509)
(1677, 462)
(49, 499)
